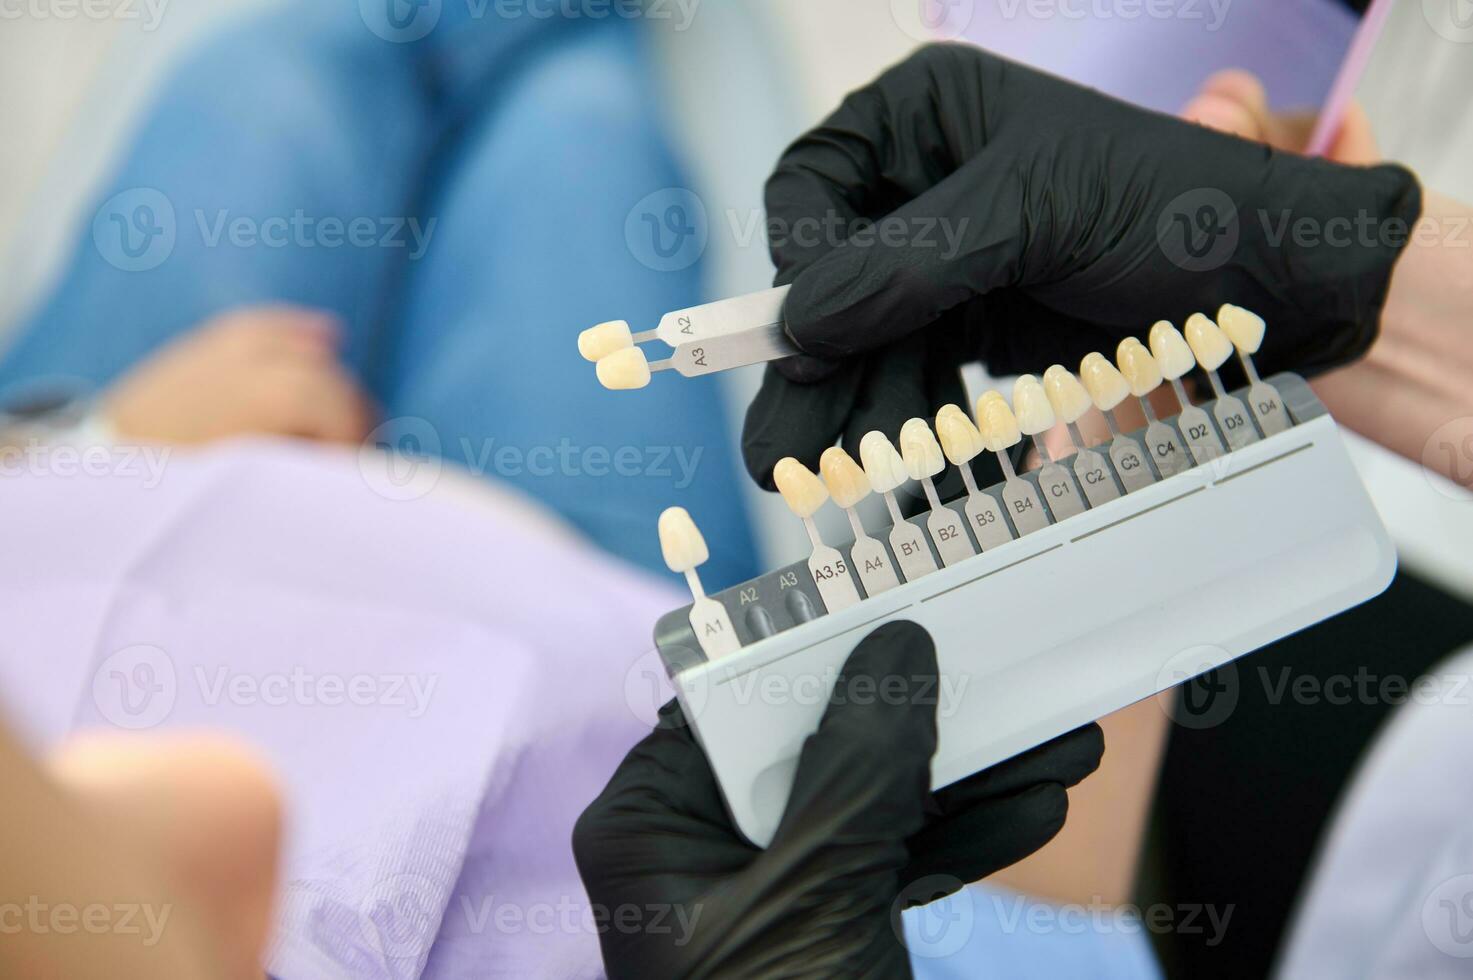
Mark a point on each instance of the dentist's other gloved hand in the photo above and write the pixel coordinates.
(862, 837)
(963, 207)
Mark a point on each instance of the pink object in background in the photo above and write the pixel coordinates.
(1354, 66)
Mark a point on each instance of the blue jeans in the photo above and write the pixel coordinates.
(460, 202)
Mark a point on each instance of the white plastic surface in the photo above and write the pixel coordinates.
(1070, 623)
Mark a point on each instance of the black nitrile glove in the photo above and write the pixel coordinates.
(1031, 221)
(860, 838)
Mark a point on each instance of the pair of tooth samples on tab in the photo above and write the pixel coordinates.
(620, 364)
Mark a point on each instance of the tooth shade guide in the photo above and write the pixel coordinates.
(1299, 500)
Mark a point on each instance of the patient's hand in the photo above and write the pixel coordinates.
(128, 856)
(1418, 375)
(270, 370)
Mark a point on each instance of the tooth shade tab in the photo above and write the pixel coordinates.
(996, 422)
(1243, 327)
(1031, 406)
(1067, 396)
(960, 439)
(841, 474)
(1208, 342)
(882, 462)
(1170, 349)
(920, 451)
(624, 369)
(801, 489)
(681, 542)
(1138, 366)
(1104, 382)
(598, 342)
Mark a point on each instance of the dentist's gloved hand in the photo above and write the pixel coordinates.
(862, 836)
(1023, 220)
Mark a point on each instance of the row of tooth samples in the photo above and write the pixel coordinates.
(1037, 407)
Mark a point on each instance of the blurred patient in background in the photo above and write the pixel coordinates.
(490, 167)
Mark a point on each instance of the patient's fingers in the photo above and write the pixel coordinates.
(317, 400)
(203, 812)
(1226, 115)
(274, 330)
(1235, 101)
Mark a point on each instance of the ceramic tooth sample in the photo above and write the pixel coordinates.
(1212, 348)
(886, 472)
(685, 550)
(623, 369)
(1175, 359)
(1070, 402)
(600, 341)
(1173, 356)
(1107, 388)
(1000, 433)
(848, 486)
(923, 460)
(1036, 417)
(1142, 373)
(1034, 413)
(804, 493)
(1245, 329)
(962, 443)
